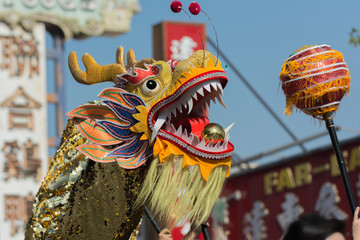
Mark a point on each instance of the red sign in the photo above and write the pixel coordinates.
(178, 40)
(274, 196)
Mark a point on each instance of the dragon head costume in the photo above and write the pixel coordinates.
(152, 131)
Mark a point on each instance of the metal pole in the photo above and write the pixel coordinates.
(341, 163)
(205, 232)
(152, 220)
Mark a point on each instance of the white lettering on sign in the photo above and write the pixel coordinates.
(291, 210)
(183, 48)
(19, 53)
(254, 222)
(70, 5)
(327, 202)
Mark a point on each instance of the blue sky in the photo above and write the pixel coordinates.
(257, 36)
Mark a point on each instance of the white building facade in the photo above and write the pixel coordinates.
(23, 124)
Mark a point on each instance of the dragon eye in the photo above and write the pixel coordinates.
(150, 86)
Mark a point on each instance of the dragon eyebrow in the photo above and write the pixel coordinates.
(141, 74)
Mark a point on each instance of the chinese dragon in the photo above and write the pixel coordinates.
(146, 142)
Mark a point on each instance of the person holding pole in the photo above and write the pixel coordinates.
(356, 225)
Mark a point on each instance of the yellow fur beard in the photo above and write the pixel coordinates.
(174, 193)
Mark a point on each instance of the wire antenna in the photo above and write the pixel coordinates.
(202, 40)
(217, 40)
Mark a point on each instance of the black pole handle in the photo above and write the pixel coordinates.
(205, 232)
(342, 166)
(152, 220)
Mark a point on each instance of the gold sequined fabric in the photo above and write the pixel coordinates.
(83, 199)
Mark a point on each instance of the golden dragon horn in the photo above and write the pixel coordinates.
(120, 56)
(131, 60)
(96, 73)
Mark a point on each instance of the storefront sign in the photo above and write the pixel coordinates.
(178, 40)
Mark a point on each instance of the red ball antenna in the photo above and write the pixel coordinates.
(194, 8)
(176, 6)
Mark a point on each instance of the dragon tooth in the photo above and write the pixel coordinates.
(172, 129)
(186, 136)
(210, 145)
(190, 138)
(224, 146)
(228, 128)
(213, 99)
(203, 110)
(186, 133)
(179, 107)
(190, 104)
(200, 112)
(159, 122)
(208, 87)
(179, 131)
(167, 125)
(207, 107)
(173, 111)
(207, 104)
(195, 140)
(168, 115)
(185, 104)
(214, 85)
(201, 91)
(220, 88)
(221, 145)
(195, 96)
(220, 100)
(217, 145)
(201, 145)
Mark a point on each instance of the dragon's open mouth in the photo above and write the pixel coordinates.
(181, 117)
